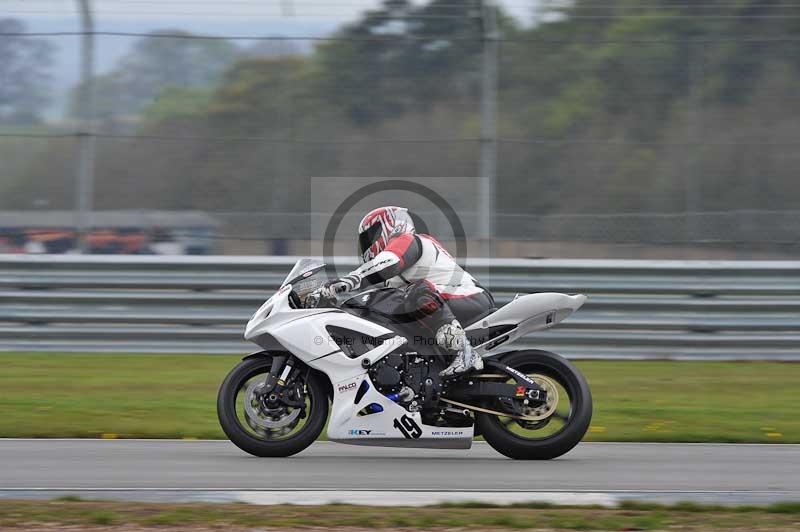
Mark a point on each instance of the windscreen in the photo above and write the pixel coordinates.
(306, 276)
(300, 268)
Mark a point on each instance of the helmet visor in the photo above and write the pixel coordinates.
(368, 237)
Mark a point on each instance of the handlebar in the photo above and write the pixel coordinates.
(315, 300)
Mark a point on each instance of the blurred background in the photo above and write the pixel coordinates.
(585, 129)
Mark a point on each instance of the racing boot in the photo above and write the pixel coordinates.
(452, 337)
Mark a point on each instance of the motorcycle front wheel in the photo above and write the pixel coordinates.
(560, 424)
(269, 429)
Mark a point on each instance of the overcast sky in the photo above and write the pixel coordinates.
(110, 11)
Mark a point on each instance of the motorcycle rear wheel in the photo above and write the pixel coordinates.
(288, 440)
(498, 430)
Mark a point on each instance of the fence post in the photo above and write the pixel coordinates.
(84, 182)
(694, 138)
(488, 141)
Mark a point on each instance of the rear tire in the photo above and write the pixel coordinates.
(231, 425)
(520, 448)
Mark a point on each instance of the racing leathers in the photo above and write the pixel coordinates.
(436, 292)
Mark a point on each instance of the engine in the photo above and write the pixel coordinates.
(408, 378)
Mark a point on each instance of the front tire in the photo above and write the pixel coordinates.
(575, 422)
(248, 441)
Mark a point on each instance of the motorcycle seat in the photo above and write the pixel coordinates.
(479, 317)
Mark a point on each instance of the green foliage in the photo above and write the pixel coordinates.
(55, 514)
(155, 64)
(101, 518)
(21, 156)
(646, 85)
(176, 103)
(400, 57)
(259, 95)
(68, 498)
(603, 108)
(784, 508)
(164, 396)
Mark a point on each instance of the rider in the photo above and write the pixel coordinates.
(434, 290)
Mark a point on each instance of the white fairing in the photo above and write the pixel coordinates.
(526, 313)
(304, 333)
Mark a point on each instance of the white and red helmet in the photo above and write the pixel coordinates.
(378, 226)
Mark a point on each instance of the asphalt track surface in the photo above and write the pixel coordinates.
(207, 470)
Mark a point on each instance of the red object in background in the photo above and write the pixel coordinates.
(133, 243)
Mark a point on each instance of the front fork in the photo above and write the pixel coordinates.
(281, 376)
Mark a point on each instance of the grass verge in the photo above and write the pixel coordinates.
(174, 396)
(630, 516)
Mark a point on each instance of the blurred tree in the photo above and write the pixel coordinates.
(402, 56)
(24, 74)
(158, 62)
(605, 108)
(622, 95)
(177, 103)
(257, 95)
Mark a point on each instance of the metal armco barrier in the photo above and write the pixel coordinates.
(742, 310)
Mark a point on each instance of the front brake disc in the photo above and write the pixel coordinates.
(252, 407)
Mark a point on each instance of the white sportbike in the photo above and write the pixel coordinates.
(381, 383)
